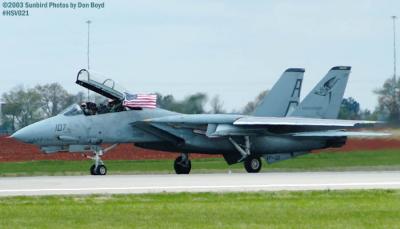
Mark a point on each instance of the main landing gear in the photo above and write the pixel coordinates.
(252, 163)
(182, 164)
(98, 168)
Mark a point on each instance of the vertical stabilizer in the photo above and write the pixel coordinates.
(284, 96)
(324, 100)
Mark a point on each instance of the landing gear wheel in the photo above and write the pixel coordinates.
(252, 164)
(98, 152)
(101, 170)
(92, 170)
(182, 166)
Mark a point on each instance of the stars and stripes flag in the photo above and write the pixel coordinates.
(140, 100)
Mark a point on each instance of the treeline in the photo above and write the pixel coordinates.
(388, 108)
(23, 106)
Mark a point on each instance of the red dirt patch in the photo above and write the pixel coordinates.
(370, 144)
(12, 150)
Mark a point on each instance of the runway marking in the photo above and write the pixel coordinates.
(326, 185)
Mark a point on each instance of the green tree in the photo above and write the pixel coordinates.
(78, 98)
(368, 115)
(9, 113)
(21, 107)
(166, 102)
(53, 98)
(349, 109)
(192, 104)
(389, 100)
(81, 97)
(217, 105)
(250, 106)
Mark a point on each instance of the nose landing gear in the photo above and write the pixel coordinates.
(98, 168)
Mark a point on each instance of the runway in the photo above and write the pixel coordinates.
(113, 184)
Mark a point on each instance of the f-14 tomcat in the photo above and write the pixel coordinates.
(279, 128)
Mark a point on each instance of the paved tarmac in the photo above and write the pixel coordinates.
(235, 182)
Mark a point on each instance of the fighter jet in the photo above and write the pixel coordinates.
(277, 130)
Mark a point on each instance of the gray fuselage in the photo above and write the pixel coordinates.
(64, 130)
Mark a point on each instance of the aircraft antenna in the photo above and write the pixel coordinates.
(88, 45)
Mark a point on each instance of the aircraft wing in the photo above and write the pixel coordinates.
(239, 125)
(297, 121)
(158, 131)
(241, 120)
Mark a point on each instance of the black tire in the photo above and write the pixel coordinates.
(101, 170)
(253, 164)
(180, 168)
(92, 170)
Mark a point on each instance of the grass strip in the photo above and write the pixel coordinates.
(305, 209)
(325, 161)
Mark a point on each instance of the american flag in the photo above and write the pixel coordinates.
(140, 100)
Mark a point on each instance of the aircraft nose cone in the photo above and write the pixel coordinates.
(36, 133)
(22, 135)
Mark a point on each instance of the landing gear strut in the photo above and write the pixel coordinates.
(98, 168)
(252, 163)
(182, 164)
(244, 152)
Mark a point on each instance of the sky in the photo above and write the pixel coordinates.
(234, 49)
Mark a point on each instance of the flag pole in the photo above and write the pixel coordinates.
(88, 56)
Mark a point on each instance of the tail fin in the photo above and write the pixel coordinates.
(324, 100)
(284, 96)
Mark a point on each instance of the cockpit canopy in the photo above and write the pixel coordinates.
(72, 110)
(107, 87)
(116, 94)
(90, 108)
